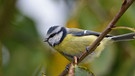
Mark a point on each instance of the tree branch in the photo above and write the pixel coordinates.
(95, 44)
(126, 4)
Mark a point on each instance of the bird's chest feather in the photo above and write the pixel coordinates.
(74, 45)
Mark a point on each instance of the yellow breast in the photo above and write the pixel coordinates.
(75, 45)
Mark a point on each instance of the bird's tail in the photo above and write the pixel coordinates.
(124, 37)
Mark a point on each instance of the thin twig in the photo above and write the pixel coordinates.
(126, 4)
(71, 71)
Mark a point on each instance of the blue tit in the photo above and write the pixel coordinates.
(72, 42)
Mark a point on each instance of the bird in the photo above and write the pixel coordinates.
(72, 42)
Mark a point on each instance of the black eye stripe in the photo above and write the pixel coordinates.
(52, 35)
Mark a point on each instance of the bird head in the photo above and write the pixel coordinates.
(55, 35)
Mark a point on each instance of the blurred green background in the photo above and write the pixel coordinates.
(23, 53)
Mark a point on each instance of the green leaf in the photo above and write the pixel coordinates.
(81, 71)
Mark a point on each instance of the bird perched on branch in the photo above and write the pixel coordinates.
(72, 42)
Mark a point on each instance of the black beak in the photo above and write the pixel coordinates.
(46, 39)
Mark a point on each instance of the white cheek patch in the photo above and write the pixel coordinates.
(51, 41)
(58, 37)
(55, 39)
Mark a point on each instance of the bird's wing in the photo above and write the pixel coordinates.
(79, 32)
